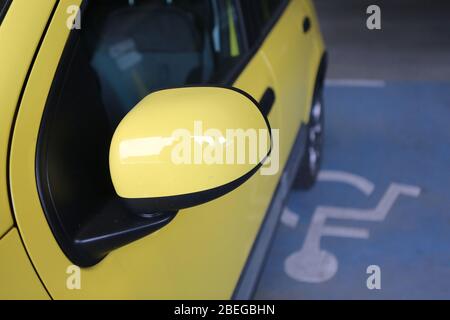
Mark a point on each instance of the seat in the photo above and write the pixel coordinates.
(147, 48)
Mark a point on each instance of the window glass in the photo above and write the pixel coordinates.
(150, 45)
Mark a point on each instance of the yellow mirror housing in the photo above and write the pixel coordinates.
(182, 147)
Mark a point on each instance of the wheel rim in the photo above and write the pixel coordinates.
(315, 136)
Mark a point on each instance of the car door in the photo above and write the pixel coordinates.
(290, 49)
(203, 251)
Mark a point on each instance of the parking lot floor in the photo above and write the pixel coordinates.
(381, 207)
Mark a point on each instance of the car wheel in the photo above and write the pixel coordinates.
(312, 156)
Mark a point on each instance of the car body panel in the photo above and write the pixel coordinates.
(17, 276)
(19, 41)
(203, 251)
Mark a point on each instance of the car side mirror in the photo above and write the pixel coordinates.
(183, 147)
(176, 149)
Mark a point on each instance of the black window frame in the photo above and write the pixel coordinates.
(4, 6)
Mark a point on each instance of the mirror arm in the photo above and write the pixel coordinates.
(114, 227)
(122, 221)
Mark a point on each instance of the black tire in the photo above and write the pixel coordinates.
(313, 153)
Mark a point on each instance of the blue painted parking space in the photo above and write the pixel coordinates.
(382, 201)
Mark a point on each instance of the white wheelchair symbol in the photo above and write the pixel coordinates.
(313, 264)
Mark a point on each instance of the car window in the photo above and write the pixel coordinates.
(123, 51)
(157, 44)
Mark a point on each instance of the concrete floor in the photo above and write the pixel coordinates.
(413, 43)
(382, 198)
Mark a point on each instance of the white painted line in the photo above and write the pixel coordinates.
(345, 232)
(313, 264)
(289, 218)
(379, 213)
(355, 83)
(360, 183)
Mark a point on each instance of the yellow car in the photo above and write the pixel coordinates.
(96, 201)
